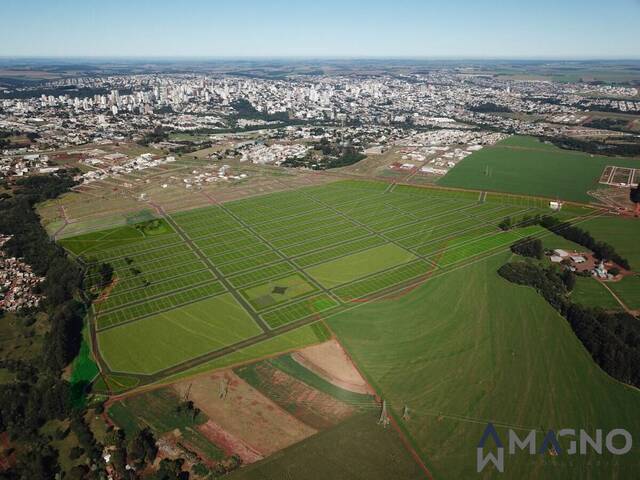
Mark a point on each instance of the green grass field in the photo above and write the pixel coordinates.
(163, 340)
(356, 265)
(461, 349)
(277, 291)
(467, 348)
(290, 256)
(355, 449)
(294, 339)
(628, 290)
(525, 166)
(622, 233)
(590, 293)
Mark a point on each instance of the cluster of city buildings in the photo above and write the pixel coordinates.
(115, 108)
(17, 282)
(211, 174)
(21, 165)
(103, 165)
(275, 154)
(436, 152)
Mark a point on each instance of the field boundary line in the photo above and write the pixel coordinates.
(378, 398)
(168, 279)
(221, 278)
(164, 310)
(156, 296)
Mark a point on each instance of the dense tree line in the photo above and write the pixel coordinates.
(334, 155)
(616, 124)
(609, 109)
(33, 399)
(596, 147)
(634, 194)
(245, 109)
(612, 339)
(529, 247)
(157, 135)
(602, 250)
(489, 107)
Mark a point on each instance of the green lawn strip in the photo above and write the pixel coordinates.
(294, 339)
(288, 365)
(299, 310)
(318, 243)
(486, 244)
(219, 258)
(203, 233)
(260, 274)
(383, 280)
(236, 241)
(356, 265)
(332, 253)
(318, 231)
(591, 293)
(141, 246)
(135, 270)
(276, 291)
(453, 241)
(113, 237)
(151, 255)
(396, 220)
(226, 241)
(436, 192)
(456, 221)
(248, 263)
(164, 340)
(156, 305)
(156, 289)
(443, 218)
(279, 228)
(145, 278)
(206, 230)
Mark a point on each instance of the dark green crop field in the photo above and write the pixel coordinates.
(525, 166)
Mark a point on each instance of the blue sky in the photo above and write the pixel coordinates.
(322, 28)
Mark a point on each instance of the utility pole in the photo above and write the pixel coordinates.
(384, 416)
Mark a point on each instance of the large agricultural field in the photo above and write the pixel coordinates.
(199, 284)
(468, 348)
(524, 165)
(403, 277)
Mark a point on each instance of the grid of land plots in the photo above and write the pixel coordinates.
(202, 281)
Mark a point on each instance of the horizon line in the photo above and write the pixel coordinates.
(321, 57)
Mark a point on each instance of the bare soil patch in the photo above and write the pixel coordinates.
(329, 361)
(245, 413)
(229, 443)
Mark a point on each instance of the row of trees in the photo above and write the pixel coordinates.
(624, 148)
(612, 339)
